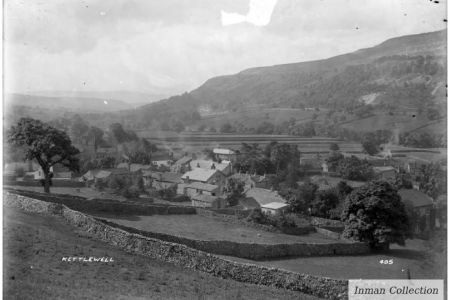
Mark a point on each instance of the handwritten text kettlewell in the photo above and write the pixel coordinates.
(87, 259)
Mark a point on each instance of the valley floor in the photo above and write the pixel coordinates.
(35, 244)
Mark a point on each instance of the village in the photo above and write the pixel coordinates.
(217, 179)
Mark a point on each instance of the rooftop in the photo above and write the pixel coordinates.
(246, 177)
(264, 196)
(248, 203)
(199, 174)
(137, 167)
(274, 205)
(416, 197)
(384, 169)
(163, 176)
(223, 151)
(207, 164)
(183, 160)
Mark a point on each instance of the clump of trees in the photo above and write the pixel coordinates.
(227, 128)
(350, 168)
(126, 186)
(307, 199)
(120, 135)
(432, 179)
(235, 191)
(372, 141)
(423, 140)
(300, 199)
(274, 158)
(375, 213)
(45, 144)
(353, 168)
(334, 147)
(279, 221)
(107, 162)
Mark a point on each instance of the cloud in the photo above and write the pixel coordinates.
(176, 45)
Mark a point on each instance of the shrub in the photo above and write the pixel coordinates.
(181, 198)
(131, 192)
(324, 202)
(279, 221)
(167, 193)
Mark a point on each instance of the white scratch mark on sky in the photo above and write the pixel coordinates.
(259, 14)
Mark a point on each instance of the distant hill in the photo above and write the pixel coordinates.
(74, 104)
(129, 97)
(404, 75)
(416, 60)
(400, 83)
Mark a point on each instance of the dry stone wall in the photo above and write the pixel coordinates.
(107, 206)
(185, 256)
(255, 251)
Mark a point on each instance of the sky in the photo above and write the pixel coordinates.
(173, 46)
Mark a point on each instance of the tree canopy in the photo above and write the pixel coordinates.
(375, 213)
(47, 145)
(353, 168)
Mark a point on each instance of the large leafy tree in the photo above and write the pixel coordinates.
(79, 126)
(252, 160)
(282, 155)
(375, 213)
(324, 202)
(432, 179)
(47, 145)
(370, 144)
(120, 135)
(352, 168)
(139, 157)
(97, 135)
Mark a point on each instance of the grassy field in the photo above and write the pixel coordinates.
(197, 141)
(32, 269)
(439, 127)
(205, 228)
(253, 117)
(404, 123)
(200, 140)
(424, 259)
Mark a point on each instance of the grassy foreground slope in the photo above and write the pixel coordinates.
(34, 245)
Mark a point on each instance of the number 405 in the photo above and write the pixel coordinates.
(387, 261)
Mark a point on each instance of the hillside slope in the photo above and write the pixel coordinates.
(341, 80)
(405, 74)
(403, 78)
